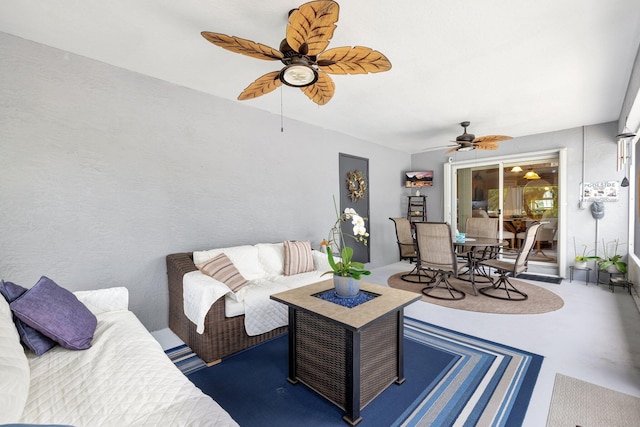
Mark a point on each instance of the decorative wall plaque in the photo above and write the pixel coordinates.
(605, 191)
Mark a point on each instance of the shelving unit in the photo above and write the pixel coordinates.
(417, 209)
(614, 279)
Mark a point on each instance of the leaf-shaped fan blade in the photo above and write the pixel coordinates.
(451, 150)
(311, 26)
(321, 91)
(263, 85)
(486, 146)
(243, 46)
(353, 60)
(491, 139)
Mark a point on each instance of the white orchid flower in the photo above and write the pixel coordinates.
(349, 213)
(359, 230)
(357, 220)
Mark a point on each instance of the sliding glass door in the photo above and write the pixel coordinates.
(518, 191)
(475, 188)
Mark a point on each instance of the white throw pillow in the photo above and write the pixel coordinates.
(100, 301)
(14, 369)
(244, 258)
(271, 256)
(321, 261)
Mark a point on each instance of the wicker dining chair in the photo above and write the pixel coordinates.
(502, 288)
(437, 258)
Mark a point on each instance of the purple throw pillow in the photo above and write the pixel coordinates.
(10, 291)
(56, 313)
(31, 338)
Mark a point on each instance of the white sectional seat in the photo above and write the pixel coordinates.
(122, 379)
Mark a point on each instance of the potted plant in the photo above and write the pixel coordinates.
(611, 259)
(581, 260)
(346, 272)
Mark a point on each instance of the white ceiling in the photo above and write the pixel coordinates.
(516, 67)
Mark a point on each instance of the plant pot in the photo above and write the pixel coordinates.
(613, 269)
(346, 286)
(580, 265)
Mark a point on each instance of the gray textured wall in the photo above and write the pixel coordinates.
(105, 172)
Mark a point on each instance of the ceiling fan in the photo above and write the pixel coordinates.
(306, 62)
(468, 141)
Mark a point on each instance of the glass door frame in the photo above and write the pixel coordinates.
(450, 207)
(467, 211)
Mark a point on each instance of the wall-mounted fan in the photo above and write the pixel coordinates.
(303, 53)
(468, 141)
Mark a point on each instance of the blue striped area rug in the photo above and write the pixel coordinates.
(451, 379)
(487, 384)
(185, 359)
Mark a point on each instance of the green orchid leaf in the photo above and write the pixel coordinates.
(332, 263)
(357, 265)
(621, 266)
(347, 254)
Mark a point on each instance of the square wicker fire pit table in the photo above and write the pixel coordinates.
(347, 355)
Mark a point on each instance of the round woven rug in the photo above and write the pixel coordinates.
(540, 300)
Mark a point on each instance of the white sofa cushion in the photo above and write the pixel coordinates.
(233, 307)
(271, 256)
(102, 300)
(321, 261)
(14, 368)
(124, 379)
(245, 258)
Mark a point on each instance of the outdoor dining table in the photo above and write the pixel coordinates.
(474, 243)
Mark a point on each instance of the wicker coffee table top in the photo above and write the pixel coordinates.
(388, 300)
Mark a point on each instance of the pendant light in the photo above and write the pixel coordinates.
(531, 174)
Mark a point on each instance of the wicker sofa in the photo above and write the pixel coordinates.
(225, 335)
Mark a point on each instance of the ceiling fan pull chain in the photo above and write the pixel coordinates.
(281, 112)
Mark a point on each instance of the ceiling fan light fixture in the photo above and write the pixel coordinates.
(298, 75)
(531, 174)
(466, 148)
(516, 169)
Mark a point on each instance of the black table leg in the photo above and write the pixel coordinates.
(293, 375)
(352, 405)
(400, 344)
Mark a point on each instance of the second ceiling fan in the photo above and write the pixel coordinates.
(468, 141)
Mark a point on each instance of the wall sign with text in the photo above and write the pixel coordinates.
(605, 191)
